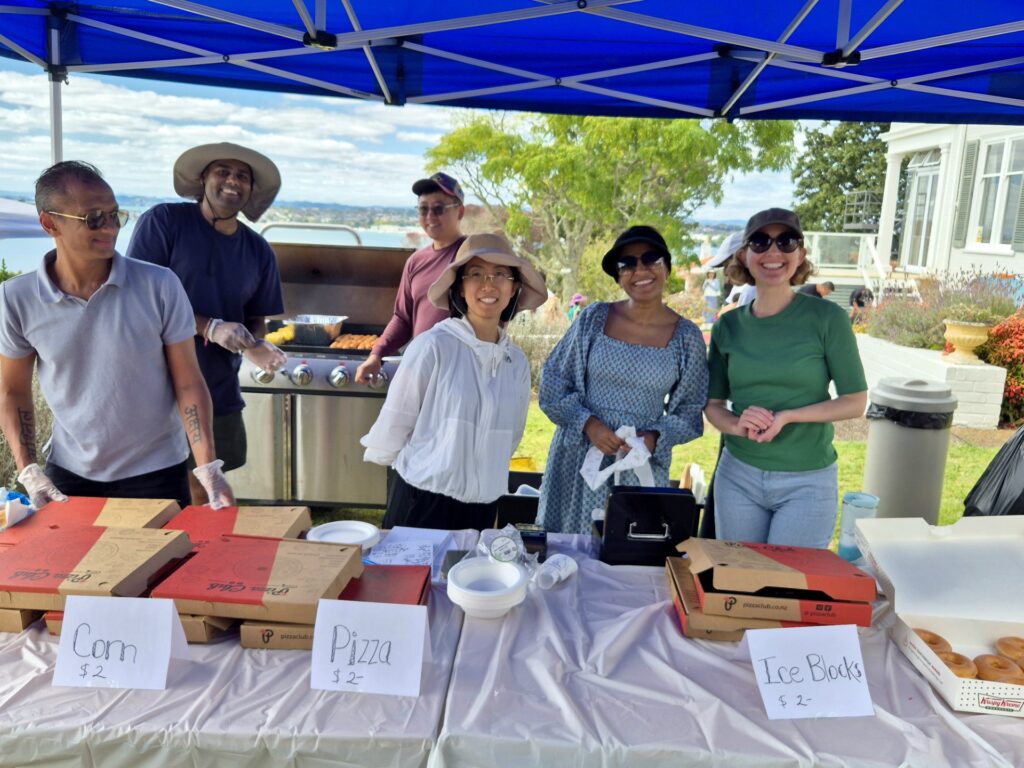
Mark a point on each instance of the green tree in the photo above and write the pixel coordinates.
(564, 184)
(5, 273)
(837, 159)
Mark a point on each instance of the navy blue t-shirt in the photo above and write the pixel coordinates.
(231, 277)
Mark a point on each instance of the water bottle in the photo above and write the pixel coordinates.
(555, 569)
(856, 505)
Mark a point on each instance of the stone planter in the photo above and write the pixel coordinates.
(965, 338)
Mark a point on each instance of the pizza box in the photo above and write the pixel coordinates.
(242, 577)
(764, 569)
(398, 584)
(82, 511)
(960, 581)
(204, 524)
(54, 621)
(17, 619)
(205, 629)
(45, 568)
(697, 624)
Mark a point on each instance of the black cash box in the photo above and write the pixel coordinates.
(641, 526)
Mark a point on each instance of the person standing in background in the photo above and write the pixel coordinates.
(441, 206)
(578, 302)
(712, 289)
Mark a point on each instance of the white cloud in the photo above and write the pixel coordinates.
(329, 150)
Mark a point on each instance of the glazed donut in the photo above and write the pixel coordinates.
(958, 664)
(937, 643)
(998, 669)
(1012, 648)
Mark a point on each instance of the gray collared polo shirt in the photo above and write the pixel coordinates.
(101, 365)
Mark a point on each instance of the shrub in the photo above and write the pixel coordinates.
(1005, 348)
(536, 333)
(688, 303)
(907, 322)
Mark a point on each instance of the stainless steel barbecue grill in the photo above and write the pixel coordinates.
(304, 422)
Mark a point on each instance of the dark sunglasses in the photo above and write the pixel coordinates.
(97, 219)
(649, 259)
(438, 209)
(787, 242)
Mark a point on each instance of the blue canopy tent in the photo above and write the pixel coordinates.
(884, 60)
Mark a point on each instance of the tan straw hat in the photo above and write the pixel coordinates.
(494, 248)
(266, 179)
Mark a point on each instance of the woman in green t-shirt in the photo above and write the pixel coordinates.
(773, 361)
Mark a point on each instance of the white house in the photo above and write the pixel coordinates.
(964, 205)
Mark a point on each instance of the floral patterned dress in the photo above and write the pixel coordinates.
(663, 389)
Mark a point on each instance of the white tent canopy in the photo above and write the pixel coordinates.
(19, 220)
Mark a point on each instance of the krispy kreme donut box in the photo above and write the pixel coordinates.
(960, 581)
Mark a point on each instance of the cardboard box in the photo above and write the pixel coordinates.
(400, 584)
(203, 524)
(275, 636)
(16, 620)
(83, 511)
(40, 572)
(205, 629)
(694, 622)
(762, 581)
(240, 577)
(961, 581)
(54, 621)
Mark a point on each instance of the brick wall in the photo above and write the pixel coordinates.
(977, 388)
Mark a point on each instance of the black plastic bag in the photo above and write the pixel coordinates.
(1000, 489)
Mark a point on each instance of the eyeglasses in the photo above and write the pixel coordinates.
(97, 219)
(650, 259)
(787, 242)
(437, 210)
(479, 278)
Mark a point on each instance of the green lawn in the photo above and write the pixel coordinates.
(963, 466)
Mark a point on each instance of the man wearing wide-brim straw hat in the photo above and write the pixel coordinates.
(228, 270)
(456, 409)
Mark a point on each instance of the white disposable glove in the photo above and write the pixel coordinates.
(234, 337)
(40, 488)
(265, 356)
(215, 484)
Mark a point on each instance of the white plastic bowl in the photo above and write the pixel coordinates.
(346, 532)
(486, 589)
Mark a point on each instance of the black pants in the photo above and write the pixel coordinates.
(408, 505)
(168, 483)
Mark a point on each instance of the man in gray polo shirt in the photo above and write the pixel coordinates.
(112, 342)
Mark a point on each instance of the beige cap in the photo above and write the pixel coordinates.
(494, 248)
(266, 179)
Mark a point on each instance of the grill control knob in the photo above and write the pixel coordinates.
(262, 377)
(302, 375)
(338, 377)
(378, 381)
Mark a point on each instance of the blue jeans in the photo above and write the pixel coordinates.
(790, 508)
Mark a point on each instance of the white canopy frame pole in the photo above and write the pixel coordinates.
(843, 22)
(368, 52)
(56, 108)
(874, 23)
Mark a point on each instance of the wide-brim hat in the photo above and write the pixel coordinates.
(494, 248)
(266, 179)
(637, 234)
(772, 216)
(728, 248)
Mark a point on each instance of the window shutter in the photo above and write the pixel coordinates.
(1018, 229)
(963, 202)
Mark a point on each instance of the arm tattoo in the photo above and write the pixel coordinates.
(195, 436)
(27, 432)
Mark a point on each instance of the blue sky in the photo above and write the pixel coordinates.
(329, 149)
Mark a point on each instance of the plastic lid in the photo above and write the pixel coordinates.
(909, 394)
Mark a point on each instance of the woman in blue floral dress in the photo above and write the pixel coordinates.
(633, 362)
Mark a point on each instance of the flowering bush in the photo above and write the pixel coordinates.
(1005, 347)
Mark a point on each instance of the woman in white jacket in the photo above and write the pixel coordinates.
(456, 409)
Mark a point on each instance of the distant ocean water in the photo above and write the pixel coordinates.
(23, 255)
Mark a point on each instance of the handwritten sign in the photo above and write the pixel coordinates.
(118, 642)
(810, 672)
(369, 647)
(403, 553)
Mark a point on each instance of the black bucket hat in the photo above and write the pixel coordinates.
(637, 234)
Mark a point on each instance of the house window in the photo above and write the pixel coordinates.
(922, 185)
(998, 192)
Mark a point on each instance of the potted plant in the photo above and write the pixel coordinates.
(968, 325)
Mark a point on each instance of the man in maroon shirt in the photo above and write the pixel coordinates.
(441, 210)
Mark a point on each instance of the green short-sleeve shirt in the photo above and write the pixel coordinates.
(782, 362)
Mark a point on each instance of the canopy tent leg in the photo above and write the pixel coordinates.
(57, 77)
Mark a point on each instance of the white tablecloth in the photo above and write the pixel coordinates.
(597, 673)
(230, 707)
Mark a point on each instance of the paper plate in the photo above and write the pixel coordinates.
(346, 532)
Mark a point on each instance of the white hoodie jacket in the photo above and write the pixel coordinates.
(454, 413)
